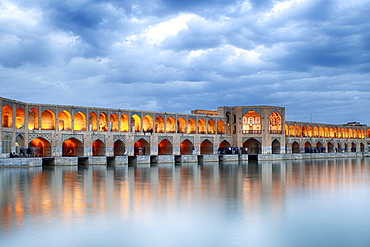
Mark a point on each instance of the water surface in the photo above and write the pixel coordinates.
(284, 203)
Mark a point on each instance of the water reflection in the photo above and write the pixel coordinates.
(215, 204)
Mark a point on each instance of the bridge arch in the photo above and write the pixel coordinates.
(33, 119)
(253, 146)
(79, 121)
(93, 121)
(113, 119)
(220, 127)
(147, 123)
(191, 126)
(19, 118)
(275, 123)
(72, 148)
(275, 146)
(141, 147)
(165, 147)
(48, 120)
(64, 120)
(330, 147)
(296, 148)
(224, 145)
(170, 125)
(103, 122)
(186, 147)
(159, 125)
(206, 147)
(135, 123)
(123, 123)
(181, 125)
(40, 147)
(307, 147)
(7, 116)
(211, 126)
(119, 148)
(201, 126)
(98, 148)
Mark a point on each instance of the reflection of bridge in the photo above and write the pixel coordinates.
(71, 131)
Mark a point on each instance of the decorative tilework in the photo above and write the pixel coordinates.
(46, 136)
(146, 138)
(95, 137)
(169, 138)
(79, 137)
(119, 137)
(190, 138)
(256, 138)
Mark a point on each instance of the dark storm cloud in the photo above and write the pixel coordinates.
(313, 57)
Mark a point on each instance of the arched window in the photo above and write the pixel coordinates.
(147, 123)
(220, 127)
(201, 126)
(64, 120)
(33, 119)
(291, 130)
(7, 118)
(79, 121)
(275, 123)
(211, 127)
(124, 123)
(19, 118)
(136, 123)
(251, 123)
(170, 125)
(103, 122)
(48, 120)
(181, 125)
(159, 125)
(191, 126)
(113, 122)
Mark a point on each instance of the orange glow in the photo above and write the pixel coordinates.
(64, 120)
(159, 125)
(124, 123)
(114, 122)
(206, 147)
(40, 147)
(147, 123)
(79, 121)
(93, 121)
(201, 126)
(19, 118)
(103, 122)
(98, 148)
(33, 119)
(7, 118)
(181, 125)
(136, 123)
(251, 122)
(211, 127)
(164, 147)
(170, 125)
(191, 126)
(291, 130)
(186, 147)
(309, 131)
(275, 122)
(298, 130)
(220, 127)
(48, 120)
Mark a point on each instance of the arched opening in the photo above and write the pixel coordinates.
(33, 119)
(211, 127)
(20, 145)
(318, 132)
(124, 123)
(330, 147)
(135, 123)
(345, 147)
(181, 125)
(159, 125)
(220, 127)
(113, 122)
(224, 147)
(119, 148)
(319, 148)
(186, 147)
(332, 133)
(103, 122)
(251, 122)
(64, 120)
(79, 121)
(291, 130)
(326, 132)
(275, 147)
(147, 123)
(98, 148)
(362, 147)
(39, 147)
(93, 121)
(201, 126)
(191, 126)
(141, 147)
(296, 148)
(6, 143)
(165, 147)
(275, 123)
(298, 131)
(355, 134)
(206, 147)
(368, 133)
(309, 131)
(48, 120)
(253, 146)
(170, 125)
(308, 147)
(72, 148)
(353, 147)
(19, 118)
(7, 118)
(304, 131)
(339, 148)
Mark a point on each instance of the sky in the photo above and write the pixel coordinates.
(310, 56)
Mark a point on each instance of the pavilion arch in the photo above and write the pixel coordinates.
(64, 120)
(326, 133)
(206, 147)
(368, 133)
(181, 125)
(93, 121)
(40, 147)
(353, 147)
(170, 125)
(33, 119)
(79, 121)
(346, 133)
(298, 131)
(186, 147)
(275, 123)
(113, 119)
(147, 123)
(72, 148)
(19, 118)
(253, 146)
(123, 123)
(7, 116)
(211, 127)
(223, 147)
(119, 148)
(307, 147)
(286, 130)
(6, 143)
(330, 147)
(103, 122)
(98, 148)
(291, 130)
(332, 132)
(201, 126)
(220, 127)
(251, 122)
(192, 129)
(20, 144)
(141, 147)
(318, 131)
(165, 147)
(304, 131)
(159, 125)
(309, 131)
(296, 148)
(135, 123)
(350, 133)
(355, 134)
(48, 120)
(319, 147)
(360, 134)
(275, 146)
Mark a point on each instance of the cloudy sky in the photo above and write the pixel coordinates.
(310, 56)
